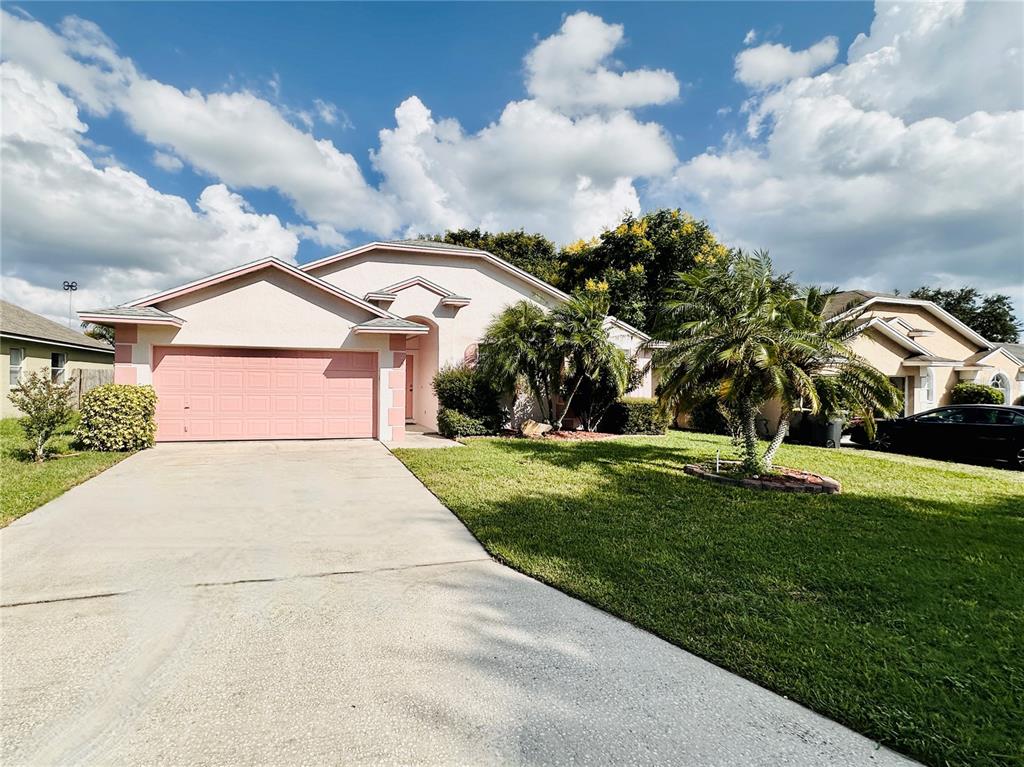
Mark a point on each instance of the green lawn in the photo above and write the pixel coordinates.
(26, 485)
(896, 607)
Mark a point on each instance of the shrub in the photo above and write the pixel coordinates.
(707, 417)
(976, 394)
(118, 417)
(452, 424)
(636, 415)
(467, 392)
(47, 407)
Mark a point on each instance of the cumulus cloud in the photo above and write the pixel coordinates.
(772, 64)
(64, 217)
(886, 171)
(167, 162)
(569, 71)
(240, 138)
(534, 168)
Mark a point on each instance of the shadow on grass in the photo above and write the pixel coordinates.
(896, 607)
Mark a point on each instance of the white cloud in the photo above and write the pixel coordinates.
(773, 64)
(64, 217)
(567, 71)
(881, 173)
(167, 162)
(241, 139)
(328, 112)
(751, 37)
(534, 168)
(322, 234)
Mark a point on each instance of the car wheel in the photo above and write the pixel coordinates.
(883, 442)
(1020, 458)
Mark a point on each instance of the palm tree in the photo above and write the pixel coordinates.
(581, 333)
(553, 353)
(842, 381)
(747, 336)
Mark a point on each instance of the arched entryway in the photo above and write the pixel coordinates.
(421, 366)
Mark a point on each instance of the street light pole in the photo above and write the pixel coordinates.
(70, 287)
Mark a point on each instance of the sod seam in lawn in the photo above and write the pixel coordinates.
(26, 485)
(896, 608)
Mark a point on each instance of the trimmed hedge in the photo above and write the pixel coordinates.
(453, 424)
(468, 394)
(636, 415)
(976, 394)
(117, 417)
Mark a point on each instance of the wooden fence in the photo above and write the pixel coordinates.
(84, 379)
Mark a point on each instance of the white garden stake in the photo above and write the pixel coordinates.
(718, 454)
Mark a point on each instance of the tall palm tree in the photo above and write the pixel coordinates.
(553, 353)
(581, 333)
(748, 336)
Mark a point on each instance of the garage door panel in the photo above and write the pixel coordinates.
(228, 394)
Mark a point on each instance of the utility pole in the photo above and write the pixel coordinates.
(70, 287)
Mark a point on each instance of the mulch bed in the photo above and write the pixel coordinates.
(578, 436)
(783, 479)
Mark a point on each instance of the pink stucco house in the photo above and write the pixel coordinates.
(345, 346)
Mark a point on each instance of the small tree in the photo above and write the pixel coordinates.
(47, 407)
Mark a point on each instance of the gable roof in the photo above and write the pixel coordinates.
(887, 330)
(1003, 349)
(850, 302)
(254, 266)
(19, 323)
(442, 248)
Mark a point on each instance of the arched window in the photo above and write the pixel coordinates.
(1001, 381)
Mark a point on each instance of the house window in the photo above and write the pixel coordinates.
(57, 362)
(928, 383)
(17, 362)
(1001, 381)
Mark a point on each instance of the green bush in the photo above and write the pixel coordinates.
(467, 392)
(707, 417)
(117, 417)
(976, 394)
(453, 424)
(636, 415)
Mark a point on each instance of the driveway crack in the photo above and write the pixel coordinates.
(243, 581)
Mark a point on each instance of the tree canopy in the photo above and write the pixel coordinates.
(992, 316)
(533, 252)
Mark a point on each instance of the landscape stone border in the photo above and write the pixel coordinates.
(791, 481)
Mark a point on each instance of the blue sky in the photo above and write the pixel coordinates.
(758, 116)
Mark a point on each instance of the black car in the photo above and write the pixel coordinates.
(974, 433)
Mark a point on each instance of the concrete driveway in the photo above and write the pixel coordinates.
(312, 603)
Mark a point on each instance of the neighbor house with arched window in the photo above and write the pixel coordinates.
(925, 350)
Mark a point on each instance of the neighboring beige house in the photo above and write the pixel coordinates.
(31, 343)
(925, 350)
(346, 346)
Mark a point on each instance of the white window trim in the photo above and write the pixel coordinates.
(1006, 387)
(13, 379)
(62, 375)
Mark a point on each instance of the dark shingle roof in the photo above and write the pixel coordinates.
(434, 245)
(847, 299)
(1017, 350)
(387, 322)
(21, 322)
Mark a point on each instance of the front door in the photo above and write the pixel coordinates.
(410, 385)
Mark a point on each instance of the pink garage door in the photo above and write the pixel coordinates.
(262, 394)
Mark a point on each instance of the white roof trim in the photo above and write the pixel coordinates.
(892, 334)
(501, 263)
(253, 266)
(930, 306)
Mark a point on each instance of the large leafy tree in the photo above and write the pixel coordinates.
(638, 258)
(533, 252)
(990, 315)
(554, 354)
(744, 335)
